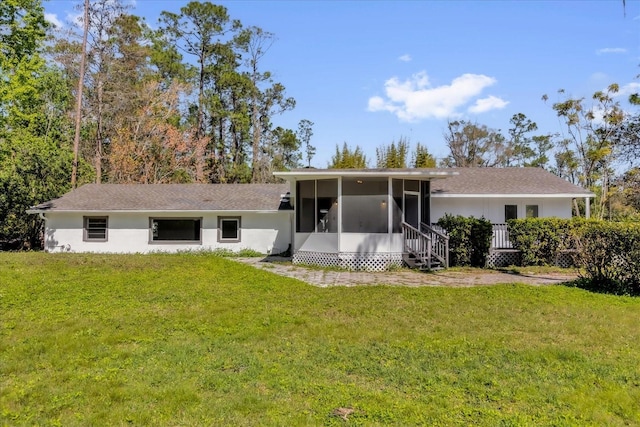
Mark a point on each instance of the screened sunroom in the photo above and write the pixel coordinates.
(358, 219)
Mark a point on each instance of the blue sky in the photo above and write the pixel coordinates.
(370, 72)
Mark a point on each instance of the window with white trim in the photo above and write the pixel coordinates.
(531, 211)
(229, 229)
(95, 228)
(175, 230)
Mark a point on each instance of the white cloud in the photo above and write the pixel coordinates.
(487, 104)
(52, 18)
(75, 18)
(415, 99)
(599, 76)
(611, 50)
(628, 89)
(405, 58)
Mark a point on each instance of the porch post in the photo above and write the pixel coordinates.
(339, 211)
(587, 208)
(389, 209)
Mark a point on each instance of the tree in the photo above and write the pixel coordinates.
(473, 145)
(393, 156)
(286, 150)
(103, 17)
(542, 145)
(78, 112)
(304, 134)
(265, 101)
(199, 30)
(149, 149)
(627, 139)
(591, 132)
(35, 158)
(624, 198)
(422, 158)
(348, 158)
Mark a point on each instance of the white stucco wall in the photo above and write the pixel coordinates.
(493, 208)
(128, 232)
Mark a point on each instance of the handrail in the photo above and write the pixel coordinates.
(425, 243)
(433, 230)
(440, 243)
(416, 243)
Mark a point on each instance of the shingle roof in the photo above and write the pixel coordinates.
(170, 197)
(267, 197)
(507, 181)
(404, 173)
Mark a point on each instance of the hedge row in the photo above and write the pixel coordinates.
(540, 240)
(607, 252)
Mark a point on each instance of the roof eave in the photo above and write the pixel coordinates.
(170, 211)
(314, 174)
(515, 195)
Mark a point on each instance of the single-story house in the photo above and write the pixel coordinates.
(359, 219)
(144, 218)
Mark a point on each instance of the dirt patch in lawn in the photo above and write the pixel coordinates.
(402, 277)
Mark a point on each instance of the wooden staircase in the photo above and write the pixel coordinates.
(424, 249)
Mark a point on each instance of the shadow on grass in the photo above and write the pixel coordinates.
(540, 273)
(610, 287)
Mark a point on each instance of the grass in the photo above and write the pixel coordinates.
(195, 339)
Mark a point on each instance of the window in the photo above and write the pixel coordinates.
(229, 229)
(327, 206)
(95, 228)
(364, 205)
(175, 230)
(397, 189)
(305, 206)
(317, 206)
(532, 211)
(510, 212)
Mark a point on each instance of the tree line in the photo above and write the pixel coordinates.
(598, 148)
(189, 100)
(186, 101)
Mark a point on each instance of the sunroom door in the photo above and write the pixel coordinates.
(412, 208)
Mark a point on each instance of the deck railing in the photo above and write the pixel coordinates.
(416, 243)
(439, 242)
(500, 239)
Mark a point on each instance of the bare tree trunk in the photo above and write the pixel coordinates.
(76, 139)
(255, 123)
(99, 135)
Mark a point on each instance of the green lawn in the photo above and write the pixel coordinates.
(201, 340)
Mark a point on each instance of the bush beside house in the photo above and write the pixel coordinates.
(541, 240)
(469, 239)
(608, 253)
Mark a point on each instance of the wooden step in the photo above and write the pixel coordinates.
(413, 262)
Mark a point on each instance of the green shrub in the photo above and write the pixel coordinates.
(539, 240)
(609, 253)
(469, 239)
(481, 235)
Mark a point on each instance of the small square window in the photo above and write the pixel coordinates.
(510, 212)
(532, 211)
(95, 228)
(229, 229)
